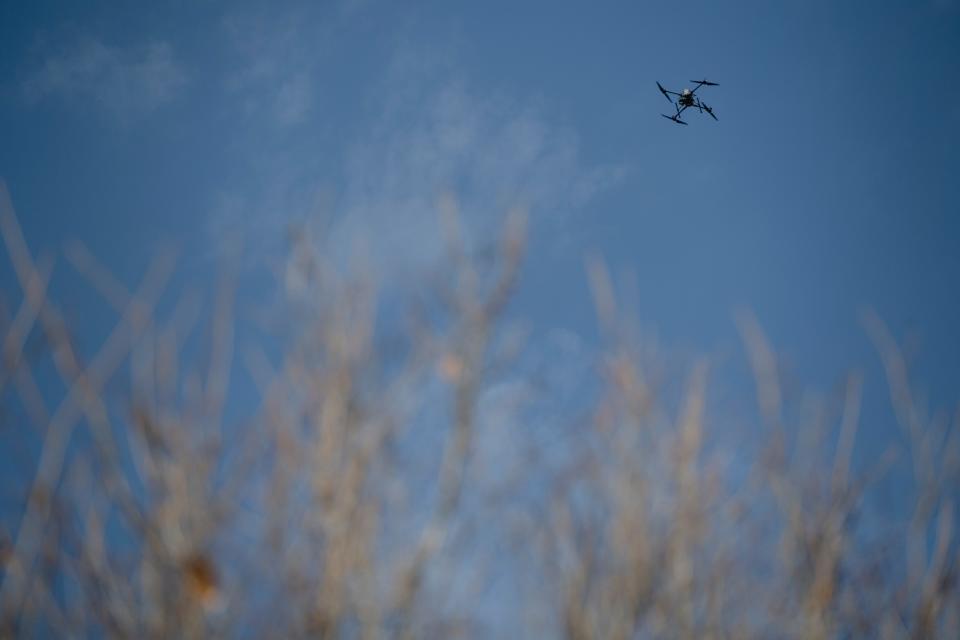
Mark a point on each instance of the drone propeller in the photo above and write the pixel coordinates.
(674, 118)
(708, 110)
(706, 82)
(664, 92)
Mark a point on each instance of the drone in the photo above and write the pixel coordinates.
(686, 99)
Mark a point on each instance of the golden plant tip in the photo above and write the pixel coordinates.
(451, 367)
(601, 287)
(202, 579)
(448, 203)
(515, 229)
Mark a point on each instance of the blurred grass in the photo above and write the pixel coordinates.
(351, 500)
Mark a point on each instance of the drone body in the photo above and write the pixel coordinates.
(686, 99)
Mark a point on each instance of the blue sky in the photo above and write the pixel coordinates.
(827, 186)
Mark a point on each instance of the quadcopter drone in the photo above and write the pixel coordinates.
(686, 99)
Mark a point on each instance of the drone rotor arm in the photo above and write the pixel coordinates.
(705, 107)
(703, 83)
(666, 93)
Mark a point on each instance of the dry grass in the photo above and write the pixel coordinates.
(324, 482)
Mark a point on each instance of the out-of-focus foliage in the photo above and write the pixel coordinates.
(335, 478)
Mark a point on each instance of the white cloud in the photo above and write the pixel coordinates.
(431, 133)
(293, 101)
(275, 58)
(420, 130)
(126, 82)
